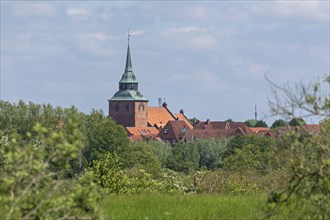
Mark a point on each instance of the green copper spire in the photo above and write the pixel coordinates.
(128, 76)
(128, 66)
(128, 85)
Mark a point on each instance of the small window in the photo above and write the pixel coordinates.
(183, 130)
(166, 131)
(117, 108)
(141, 107)
(127, 107)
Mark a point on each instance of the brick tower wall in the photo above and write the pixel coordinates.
(129, 113)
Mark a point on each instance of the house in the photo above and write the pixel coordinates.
(203, 134)
(181, 116)
(174, 131)
(209, 125)
(142, 133)
(159, 116)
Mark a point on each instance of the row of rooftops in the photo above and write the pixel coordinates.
(163, 125)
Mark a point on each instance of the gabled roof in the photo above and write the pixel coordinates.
(174, 131)
(159, 116)
(182, 117)
(208, 125)
(246, 129)
(203, 134)
(142, 131)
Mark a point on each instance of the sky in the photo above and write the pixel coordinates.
(208, 58)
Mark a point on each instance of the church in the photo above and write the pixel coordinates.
(129, 108)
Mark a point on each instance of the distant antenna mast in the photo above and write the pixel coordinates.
(160, 102)
(255, 113)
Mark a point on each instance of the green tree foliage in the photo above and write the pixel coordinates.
(108, 173)
(261, 123)
(193, 120)
(184, 157)
(103, 135)
(238, 142)
(279, 123)
(143, 156)
(248, 158)
(162, 150)
(31, 187)
(251, 123)
(307, 157)
(211, 152)
(297, 122)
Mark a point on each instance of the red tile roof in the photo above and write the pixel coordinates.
(182, 117)
(142, 131)
(159, 116)
(211, 133)
(174, 131)
(258, 129)
(208, 125)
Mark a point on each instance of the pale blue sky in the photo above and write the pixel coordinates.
(208, 58)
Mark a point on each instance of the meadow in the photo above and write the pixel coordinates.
(188, 206)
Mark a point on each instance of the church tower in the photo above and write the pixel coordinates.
(128, 107)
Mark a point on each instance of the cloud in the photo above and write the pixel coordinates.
(307, 10)
(37, 9)
(32, 44)
(94, 42)
(136, 32)
(250, 69)
(76, 11)
(188, 29)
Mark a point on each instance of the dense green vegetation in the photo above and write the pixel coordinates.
(59, 163)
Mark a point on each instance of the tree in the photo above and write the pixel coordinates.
(261, 123)
(184, 157)
(30, 186)
(279, 123)
(297, 122)
(251, 122)
(307, 192)
(103, 135)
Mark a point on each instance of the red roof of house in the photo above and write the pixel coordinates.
(182, 117)
(142, 131)
(159, 116)
(174, 131)
(211, 133)
(209, 125)
(312, 128)
(258, 129)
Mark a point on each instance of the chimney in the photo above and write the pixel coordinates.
(181, 111)
(164, 104)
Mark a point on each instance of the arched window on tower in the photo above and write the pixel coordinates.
(127, 108)
(141, 107)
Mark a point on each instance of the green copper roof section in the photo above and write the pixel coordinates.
(128, 76)
(128, 95)
(128, 85)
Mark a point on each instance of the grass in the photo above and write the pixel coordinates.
(155, 206)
